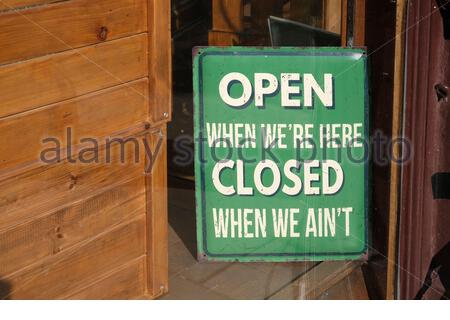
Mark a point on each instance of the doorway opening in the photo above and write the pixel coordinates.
(247, 23)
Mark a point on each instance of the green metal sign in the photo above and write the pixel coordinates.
(281, 162)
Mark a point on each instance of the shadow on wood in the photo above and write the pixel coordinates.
(5, 290)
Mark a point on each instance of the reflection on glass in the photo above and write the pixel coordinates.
(322, 15)
(232, 23)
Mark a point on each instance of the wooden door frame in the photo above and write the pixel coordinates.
(353, 23)
(419, 236)
(160, 111)
(397, 131)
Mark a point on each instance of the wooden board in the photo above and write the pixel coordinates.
(102, 68)
(332, 15)
(228, 15)
(48, 188)
(160, 77)
(6, 5)
(56, 232)
(222, 38)
(227, 22)
(160, 61)
(359, 24)
(157, 228)
(66, 25)
(81, 265)
(397, 119)
(70, 74)
(116, 109)
(128, 282)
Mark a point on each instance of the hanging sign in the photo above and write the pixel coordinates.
(281, 165)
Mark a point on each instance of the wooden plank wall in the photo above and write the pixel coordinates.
(71, 70)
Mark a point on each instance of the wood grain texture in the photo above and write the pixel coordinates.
(50, 79)
(228, 15)
(68, 229)
(160, 61)
(160, 104)
(67, 25)
(51, 187)
(128, 282)
(359, 23)
(222, 38)
(227, 22)
(395, 185)
(332, 15)
(359, 33)
(54, 233)
(6, 5)
(157, 218)
(81, 265)
(115, 109)
(344, 14)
